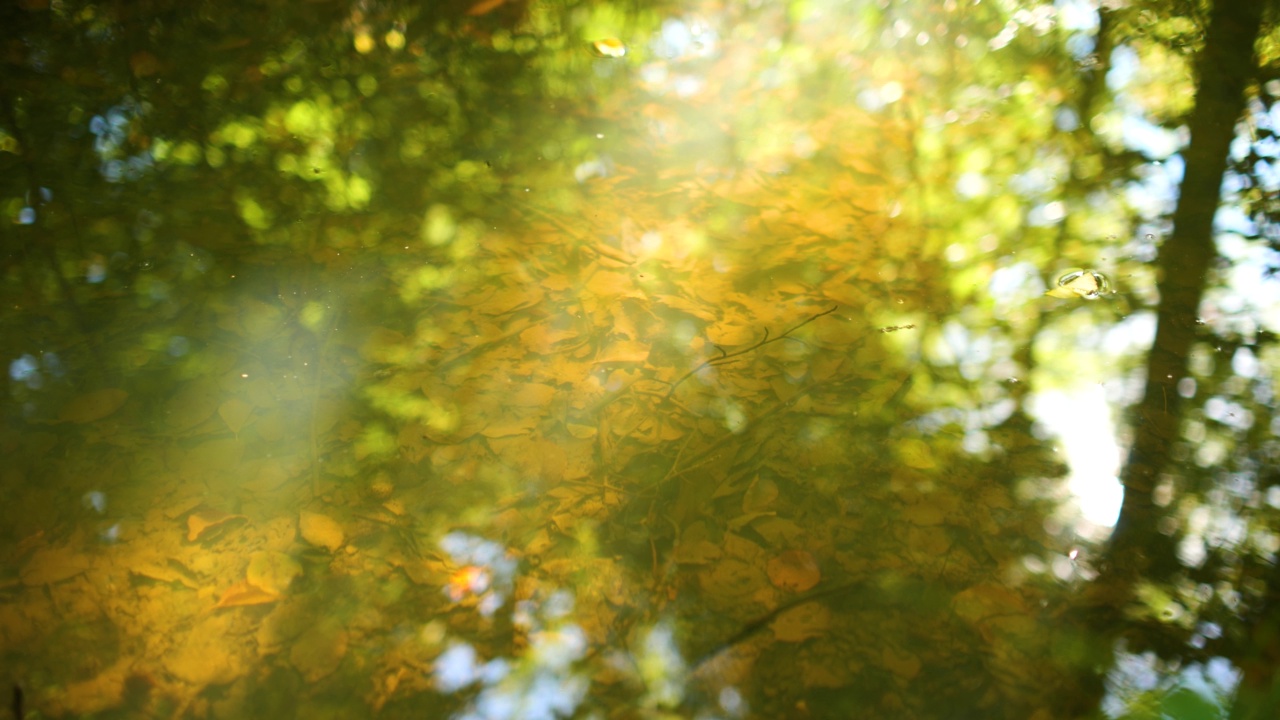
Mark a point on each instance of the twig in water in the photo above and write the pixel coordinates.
(730, 356)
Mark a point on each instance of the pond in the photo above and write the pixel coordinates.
(540, 359)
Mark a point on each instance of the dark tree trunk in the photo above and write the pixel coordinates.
(1224, 67)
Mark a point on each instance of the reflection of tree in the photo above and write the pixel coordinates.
(1227, 58)
(1142, 549)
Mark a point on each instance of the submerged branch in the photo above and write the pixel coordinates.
(730, 356)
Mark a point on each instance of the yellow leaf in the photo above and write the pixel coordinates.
(244, 593)
(914, 453)
(531, 395)
(321, 530)
(609, 47)
(202, 520)
(272, 571)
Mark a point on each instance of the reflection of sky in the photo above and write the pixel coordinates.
(543, 681)
(1081, 420)
(539, 684)
(1134, 674)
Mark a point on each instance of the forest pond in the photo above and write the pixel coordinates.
(548, 359)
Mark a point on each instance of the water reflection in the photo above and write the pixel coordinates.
(434, 364)
(546, 680)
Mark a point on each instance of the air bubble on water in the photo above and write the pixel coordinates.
(95, 500)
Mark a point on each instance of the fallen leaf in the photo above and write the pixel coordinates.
(272, 571)
(321, 530)
(794, 570)
(924, 514)
(424, 572)
(205, 657)
(201, 521)
(903, 664)
(319, 650)
(190, 406)
(509, 426)
(51, 565)
(245, 593)
(743, 520)
(730, 578)
(285, 622)
(759, 496)
(93, 406)
(235, 413)
(162, 574)
(531, 395)
(802, 623)
(697, 552)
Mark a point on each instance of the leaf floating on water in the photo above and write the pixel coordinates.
(1086, 284)
(201, 521)
(245, 593)
(93, 406)
(235, 413)
(609, 48)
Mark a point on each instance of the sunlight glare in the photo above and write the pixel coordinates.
(1081, 420)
